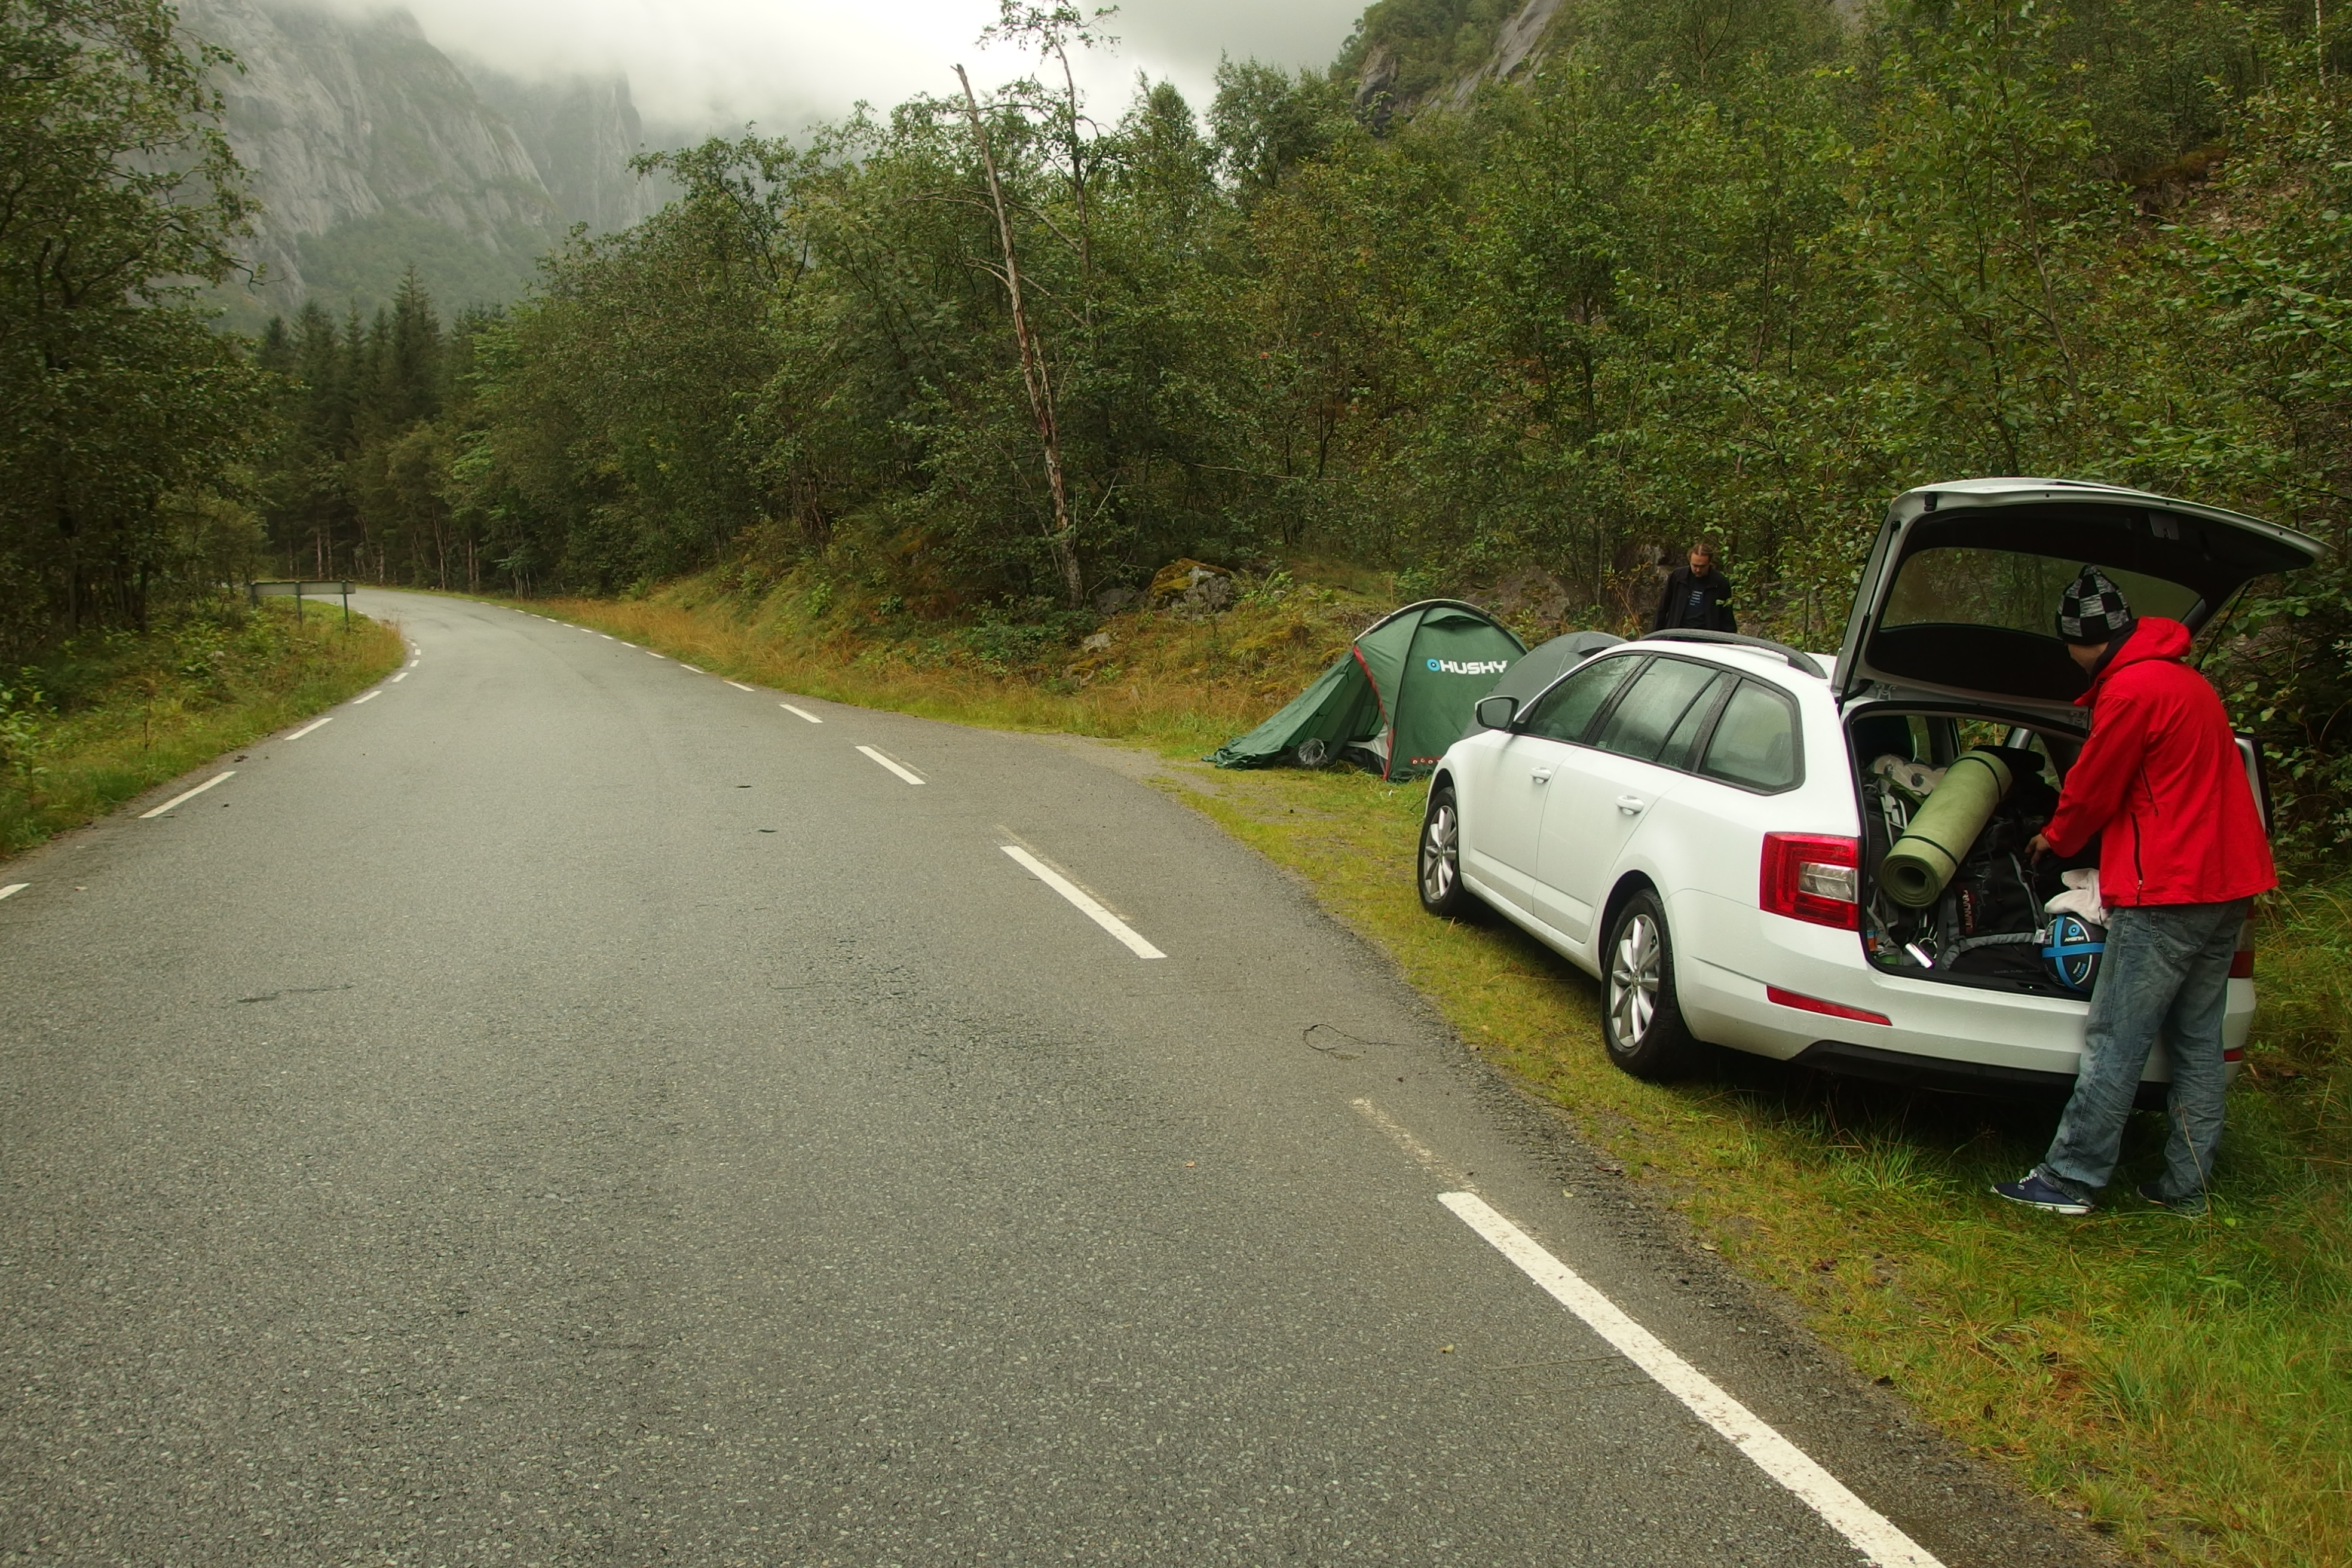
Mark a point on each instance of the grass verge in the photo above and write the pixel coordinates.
(99, 718)
(2184, 1385)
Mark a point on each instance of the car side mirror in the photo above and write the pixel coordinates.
(1497, 712)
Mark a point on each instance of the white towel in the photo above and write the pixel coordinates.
(2081, 898)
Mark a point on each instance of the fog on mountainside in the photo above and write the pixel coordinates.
(373, 151)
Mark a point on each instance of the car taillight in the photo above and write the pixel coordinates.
(1813, 876)
(2241, 963)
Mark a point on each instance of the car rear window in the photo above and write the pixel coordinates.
(1653, 707)
(1755, 742)
(1565, 711)
(1955, 585)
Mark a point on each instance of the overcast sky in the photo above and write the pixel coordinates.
(699, 65)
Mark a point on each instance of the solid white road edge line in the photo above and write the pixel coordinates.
(1870, 1531)
(1083, 899)
(908, 774)
(310, 726)
(802, 712)
(369, 697)
(736, 684)
(14, 887)
(191, 794)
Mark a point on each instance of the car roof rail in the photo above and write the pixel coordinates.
(1797, 660)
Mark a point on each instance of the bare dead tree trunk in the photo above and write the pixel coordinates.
(1064, 538)
(1078, 183)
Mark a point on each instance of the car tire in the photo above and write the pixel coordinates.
(1640, 1021)
(1437, 868)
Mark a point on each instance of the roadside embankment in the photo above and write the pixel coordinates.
(97, 720)
(2185, 1385)
(1180, 677)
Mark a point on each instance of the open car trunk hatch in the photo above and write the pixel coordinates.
(1960, 596)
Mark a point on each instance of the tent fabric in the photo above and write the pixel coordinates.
(1545, 663)
(1398, 697)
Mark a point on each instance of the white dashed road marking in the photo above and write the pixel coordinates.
(736, 684)
(14, 887)
(683, 665)
(907, 773)
(1084, 900)
(1870, 1531)
(802, 712)
(192, 793)
(402, 676)
(1422, 1154)
(369, 697)
(310, 726)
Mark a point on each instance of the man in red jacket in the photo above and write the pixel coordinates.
(2181, 856)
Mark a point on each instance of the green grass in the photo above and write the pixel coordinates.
(98, 720)
(2184, 1385)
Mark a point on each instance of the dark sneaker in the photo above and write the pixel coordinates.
(2035, 1191)
(2192, 1208)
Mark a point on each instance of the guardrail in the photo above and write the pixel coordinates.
(295, 587)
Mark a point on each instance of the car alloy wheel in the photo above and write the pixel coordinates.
(1642, 1021)
(1440, 867)
(1440, 853)
(1633, 971)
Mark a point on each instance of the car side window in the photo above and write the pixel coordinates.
(1564, 713)
(1682, 747)
(1755, 742)
(1653, 707)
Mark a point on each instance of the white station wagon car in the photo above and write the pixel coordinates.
(1696, 818)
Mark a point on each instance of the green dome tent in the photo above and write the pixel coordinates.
(1399, 694)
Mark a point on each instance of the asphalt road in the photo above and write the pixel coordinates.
(572, 1110)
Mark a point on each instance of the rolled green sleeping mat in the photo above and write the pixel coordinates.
(1943, 829)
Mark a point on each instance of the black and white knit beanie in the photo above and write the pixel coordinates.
(2093, 609)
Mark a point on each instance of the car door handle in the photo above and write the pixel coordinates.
(1631, 804)
(1541, 775)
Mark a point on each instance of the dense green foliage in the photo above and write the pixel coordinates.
(1727, 265)
(123, 416)
(359, 478)
(106, 714)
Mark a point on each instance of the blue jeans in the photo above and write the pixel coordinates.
(2165, 965)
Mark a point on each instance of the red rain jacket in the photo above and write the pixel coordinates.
(2162, 778)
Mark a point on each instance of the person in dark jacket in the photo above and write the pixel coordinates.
(1696, 595)
(2181, 856)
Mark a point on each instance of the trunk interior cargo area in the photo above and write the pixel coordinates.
(1964, 901)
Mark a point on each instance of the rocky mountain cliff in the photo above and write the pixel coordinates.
(373, 151)
(1406, 56)
(1408, 60)
(1415, 54)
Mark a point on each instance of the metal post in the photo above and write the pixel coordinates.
(347, 605)
(298, 601)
